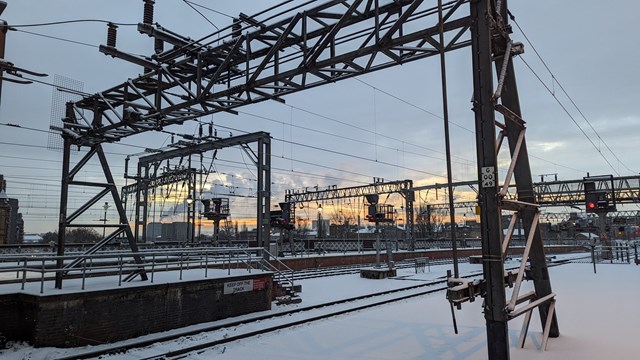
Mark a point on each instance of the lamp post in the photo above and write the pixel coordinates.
(189, 201)
(320, 227)
(104, 219)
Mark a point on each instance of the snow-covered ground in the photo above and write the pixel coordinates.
(598, 315)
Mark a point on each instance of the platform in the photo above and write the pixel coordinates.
(107, 312)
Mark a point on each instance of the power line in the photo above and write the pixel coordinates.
(23, 127)
(58, 38)
(207, 8)
(337, 153)
(201, 14)
(568, 114)
(368, 131)
(68, 22)
(555, 79)
(349, 138)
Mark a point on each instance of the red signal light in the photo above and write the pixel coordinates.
(591, 205)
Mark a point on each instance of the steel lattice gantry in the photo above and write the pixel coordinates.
(324, 44)
(492, 47)
(626, 190)
(148, 166)
(403, 187)
(320, 45)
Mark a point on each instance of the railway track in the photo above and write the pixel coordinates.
(354, 269)
(342, 307)
(294, 317)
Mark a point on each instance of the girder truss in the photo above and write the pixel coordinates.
(402, 187)
(147, 178)
(324, 44)
(327, 43)
(626, 190)
(169, 177)
(333, 192)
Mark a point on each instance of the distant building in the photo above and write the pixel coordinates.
(154, 232)
(11, 223)
(175, 231)
(324, 226)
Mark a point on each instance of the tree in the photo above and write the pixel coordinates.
(51, 236)
(79, 235)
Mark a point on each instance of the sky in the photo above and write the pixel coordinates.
(386, 124)
(590, 322)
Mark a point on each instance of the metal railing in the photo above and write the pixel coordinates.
(121, 266)
(284, 274)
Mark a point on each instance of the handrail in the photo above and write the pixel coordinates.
(42, 266)
(279, 272)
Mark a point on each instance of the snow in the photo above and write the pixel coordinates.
(111, 282)
(598, 317)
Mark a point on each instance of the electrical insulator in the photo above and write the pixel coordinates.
(112, 34)
(200, 131)
(210, 130)
(236, 28)
(158, 46)
(148, 12)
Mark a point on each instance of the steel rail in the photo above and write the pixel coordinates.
(181, 352)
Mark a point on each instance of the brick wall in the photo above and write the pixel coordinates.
(96, 317)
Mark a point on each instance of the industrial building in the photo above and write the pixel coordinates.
(11, 223)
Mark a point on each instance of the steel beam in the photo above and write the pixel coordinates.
(402, 187)
(539, 272)
(561, 193)
(493, 267)
(66, 221)
(317, 46)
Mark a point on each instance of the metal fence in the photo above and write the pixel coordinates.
(121, 266)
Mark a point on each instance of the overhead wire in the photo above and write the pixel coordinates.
(189, 3)
(291, 142)
(62, 22)
(569, 114)
(575, 105)
(361, 81)
(58, 38)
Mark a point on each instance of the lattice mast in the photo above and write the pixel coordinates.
(492, 46)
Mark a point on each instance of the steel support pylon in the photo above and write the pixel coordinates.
(66, 220)
(491, 46)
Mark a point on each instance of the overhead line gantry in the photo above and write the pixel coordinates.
(402, 187)
(256, 61)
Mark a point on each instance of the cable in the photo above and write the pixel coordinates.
(369, 131)
(342, 137)
(48, 132)
(568, 114)
(556, 164)
(337, 153)
(69, 22)
(201, 14)
(207, 8)
(58, 38)
(555, 79)
(73, 91)
(23, 127)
